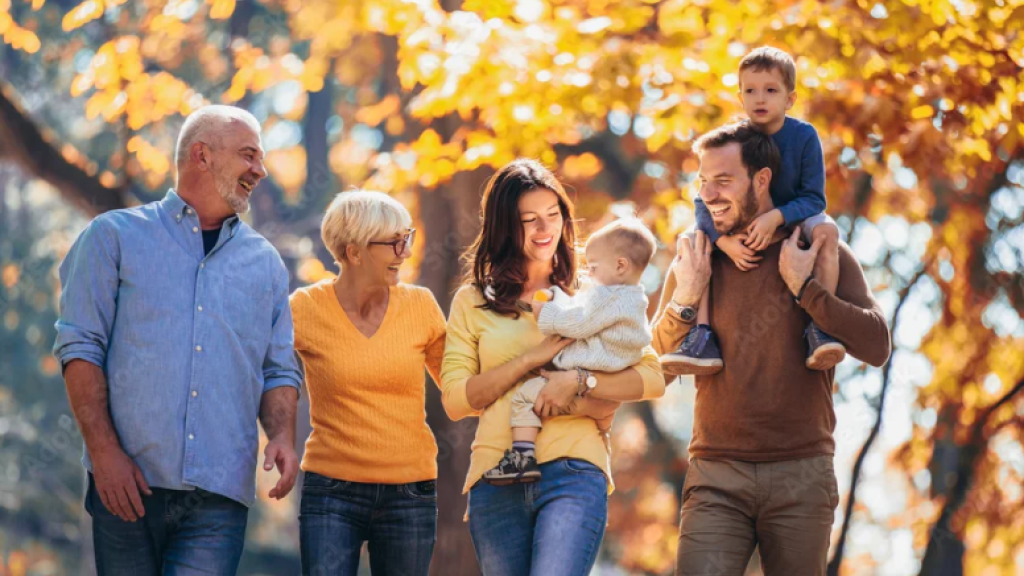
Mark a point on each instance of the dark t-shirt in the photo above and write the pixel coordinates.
(210, 239)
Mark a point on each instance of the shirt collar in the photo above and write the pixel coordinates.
(177, 208)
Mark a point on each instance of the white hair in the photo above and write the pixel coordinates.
(358, 217)
(206, 125)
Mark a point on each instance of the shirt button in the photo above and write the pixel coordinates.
(200, 308)
(202, 264)
(189, 210)
(191, 437)
(195, 229)
(178, 217)
(194, 393)
(199, 348)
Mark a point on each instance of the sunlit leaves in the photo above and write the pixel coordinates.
(87, 12)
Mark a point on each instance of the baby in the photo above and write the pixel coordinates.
(608, 322)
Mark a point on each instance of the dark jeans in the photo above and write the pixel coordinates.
(184, 532)
(399, 521)
(551, 527)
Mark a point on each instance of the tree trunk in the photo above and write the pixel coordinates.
(450, 218)
(945, 552)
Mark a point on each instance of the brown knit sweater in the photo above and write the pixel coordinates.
(765, 405)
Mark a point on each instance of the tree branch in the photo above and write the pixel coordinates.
(837, 556)
(24, 143)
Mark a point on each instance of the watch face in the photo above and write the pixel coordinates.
(591, 382)
(687, 313)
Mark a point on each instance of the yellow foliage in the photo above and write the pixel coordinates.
(221, 9)
(581, 167)
(288, 168)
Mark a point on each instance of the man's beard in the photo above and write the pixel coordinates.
(226, 186)
(746, 212)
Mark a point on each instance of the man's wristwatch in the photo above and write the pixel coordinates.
(687, 313)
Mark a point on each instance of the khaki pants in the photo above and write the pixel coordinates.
(522, 403)
(729, 507)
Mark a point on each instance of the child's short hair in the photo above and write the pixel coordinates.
(768, 58)
(629, 237)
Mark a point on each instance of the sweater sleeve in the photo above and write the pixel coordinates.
(809, 196)
(649, 369)
(667, 327)
(434, 352)
(704, 221)
(852, 316)
(461, 355)
(583, 316)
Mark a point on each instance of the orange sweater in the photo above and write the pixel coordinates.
(367, 395)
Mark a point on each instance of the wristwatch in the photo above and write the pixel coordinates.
(687, 313)
(585, 382)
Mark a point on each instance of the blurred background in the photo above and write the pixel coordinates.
(919, 105)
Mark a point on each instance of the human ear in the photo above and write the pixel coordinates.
(352, 254)
(200, 154)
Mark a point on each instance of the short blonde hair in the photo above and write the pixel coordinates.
(358, 217)
(629, 238)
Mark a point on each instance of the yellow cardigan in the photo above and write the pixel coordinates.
(366, 395)
(479, 340)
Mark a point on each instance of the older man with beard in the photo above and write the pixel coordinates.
(761, 470)
(175, 335)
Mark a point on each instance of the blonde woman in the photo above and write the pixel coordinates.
(364, 339)
(554, 525)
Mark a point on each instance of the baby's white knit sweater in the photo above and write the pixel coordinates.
(609, 324)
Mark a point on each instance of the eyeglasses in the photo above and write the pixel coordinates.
(401, 244)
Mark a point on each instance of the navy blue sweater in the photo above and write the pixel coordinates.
(798, 190)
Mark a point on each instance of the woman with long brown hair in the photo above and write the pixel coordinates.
(527, 243)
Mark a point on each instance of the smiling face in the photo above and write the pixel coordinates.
(765, 97)
(541, 216)
(380, 262)
(726, 189)
(237, 165)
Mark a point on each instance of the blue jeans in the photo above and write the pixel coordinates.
(184, 533)
(550, 527)
(399, 522)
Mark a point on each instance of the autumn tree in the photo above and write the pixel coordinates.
(918, 102)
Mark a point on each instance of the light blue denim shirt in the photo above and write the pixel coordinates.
(189, 343)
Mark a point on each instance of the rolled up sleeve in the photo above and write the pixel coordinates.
(280, 366)
(650, 372)
(88, 297)
(461, 357)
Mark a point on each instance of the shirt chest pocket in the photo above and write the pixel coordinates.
(245, 304)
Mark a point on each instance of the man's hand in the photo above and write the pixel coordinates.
(692, 268)
(735, 248)
(118, 482)
(796, 265)
(761, 230)
(557, 397)
(282, 455)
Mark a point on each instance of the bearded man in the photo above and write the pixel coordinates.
(761, 470)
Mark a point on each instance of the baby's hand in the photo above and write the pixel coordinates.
(735, 247)
(761, 230)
